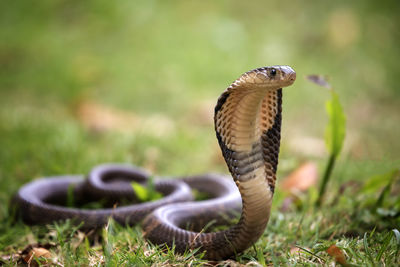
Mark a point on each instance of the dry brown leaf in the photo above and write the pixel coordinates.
(99, 118)
(36, 253)
(337, 253)
(301, 179)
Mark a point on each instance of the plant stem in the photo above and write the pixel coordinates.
(327, 175)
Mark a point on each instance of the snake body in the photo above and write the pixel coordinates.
(247, 124)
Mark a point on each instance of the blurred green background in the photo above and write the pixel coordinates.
(87, 82)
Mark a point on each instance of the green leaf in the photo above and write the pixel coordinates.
(336, 128)
(376, 182)
(141, 192)
(148, 193)
(153, 193)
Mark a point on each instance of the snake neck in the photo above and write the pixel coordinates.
(247, 124)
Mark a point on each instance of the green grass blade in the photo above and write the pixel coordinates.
(367, 249)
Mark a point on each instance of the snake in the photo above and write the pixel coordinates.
(247, 122)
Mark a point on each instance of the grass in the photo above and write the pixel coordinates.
(153, 71)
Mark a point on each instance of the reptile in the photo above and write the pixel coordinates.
(247, 121)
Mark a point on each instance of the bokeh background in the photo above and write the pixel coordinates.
(87, 82)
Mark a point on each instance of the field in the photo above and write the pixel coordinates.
(136, 82)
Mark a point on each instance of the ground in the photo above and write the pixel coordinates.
(136, 82)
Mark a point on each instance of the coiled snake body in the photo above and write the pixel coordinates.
(247, 123)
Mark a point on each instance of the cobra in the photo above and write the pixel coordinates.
(247, 123)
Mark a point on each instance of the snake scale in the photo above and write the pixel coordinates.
(247, 124)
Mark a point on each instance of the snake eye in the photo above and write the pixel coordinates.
(272, 72)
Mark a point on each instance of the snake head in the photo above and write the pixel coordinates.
(273, 77)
